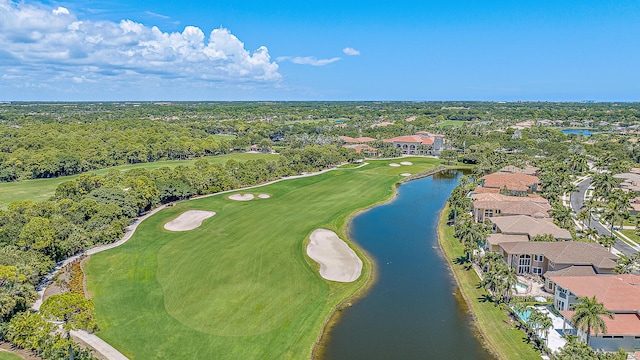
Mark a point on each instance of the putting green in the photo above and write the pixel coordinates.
(240, 286)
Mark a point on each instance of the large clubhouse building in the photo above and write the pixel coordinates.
(422, 143)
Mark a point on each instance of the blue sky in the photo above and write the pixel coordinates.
(320, 50)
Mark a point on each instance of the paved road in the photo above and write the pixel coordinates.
(577, 197)
(577, 200)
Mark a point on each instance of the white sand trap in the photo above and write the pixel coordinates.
(394, 165)
(406, 163)
(241, 197)
(405, 174)
(188, 220)
(338, 262)
(264, 196)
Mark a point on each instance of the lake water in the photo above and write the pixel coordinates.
(413, 311)
(584, 132)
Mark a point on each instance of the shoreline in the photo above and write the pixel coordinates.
(370, 268)
(482, 335)
(334, 317)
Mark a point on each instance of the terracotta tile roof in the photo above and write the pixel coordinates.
(410, 139)
(513, 205)
(621, 324)
(499, 197)
(481, 190)
(566, 252)
(519, 182)
(619, 292)
(527, 225)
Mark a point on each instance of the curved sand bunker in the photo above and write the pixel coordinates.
(264, 196)
(188, 220)
(394, 165)
(406, 163)
(405, 174)
(241, 197)
(338, 262)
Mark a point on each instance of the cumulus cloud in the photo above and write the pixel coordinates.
(308, 60)
(36, 40)
(351, 51)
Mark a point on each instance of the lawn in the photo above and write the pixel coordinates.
(42, 189)
(5, 355)
(493, 323)
(241, 285)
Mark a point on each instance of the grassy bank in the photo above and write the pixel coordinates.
(42, 189)
(493, 323)
(241, 285)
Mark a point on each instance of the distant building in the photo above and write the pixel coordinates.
(515, 184)
(423, 143)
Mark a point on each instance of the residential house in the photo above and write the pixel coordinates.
(365, 149)
(423, 143)
(358, 140)
(514, 184)
(540, 258)
(527, 225)
(619, 294)
(486, 205)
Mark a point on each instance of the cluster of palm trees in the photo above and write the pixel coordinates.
(497, 277)
(537, 325)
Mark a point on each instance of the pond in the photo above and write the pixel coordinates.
(413, 311)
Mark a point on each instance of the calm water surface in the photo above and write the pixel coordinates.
(583, 132)
(411, 312)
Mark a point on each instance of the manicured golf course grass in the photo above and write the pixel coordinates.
(42, 189)
(240, 286)
(4, 355)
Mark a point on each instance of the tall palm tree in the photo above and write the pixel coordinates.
(608, 241)
(584, 216)
(590, 205)
(591, 233)
(588, 316)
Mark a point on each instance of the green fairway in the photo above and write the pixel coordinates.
(240, 286)
(5, 355)
(42, 189)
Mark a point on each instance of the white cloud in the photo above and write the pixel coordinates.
(351, 51)
(61, 11)
(43, 43)
(308, 60)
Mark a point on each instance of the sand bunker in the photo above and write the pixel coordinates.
(188, 220)
(406, 163)
(394, 165)
(405, 174)
(241, 197)
(338, 262)
(264, 196)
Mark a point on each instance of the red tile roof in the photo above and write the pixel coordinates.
(519, 182)
(410, 139)
(617, 292)
(621, 324)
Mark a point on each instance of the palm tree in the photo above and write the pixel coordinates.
(588, 316)
(591, 233)
(590, 205)
(604, 183)
(608, 241)
(562, 215)
(584, 216)
(627, 264)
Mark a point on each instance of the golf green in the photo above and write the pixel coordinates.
(241, 285)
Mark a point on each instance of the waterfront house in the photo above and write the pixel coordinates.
(619, 294)
(514, 184)
(423, 143)
(486, 205)
(539, 257)
(529, 226)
